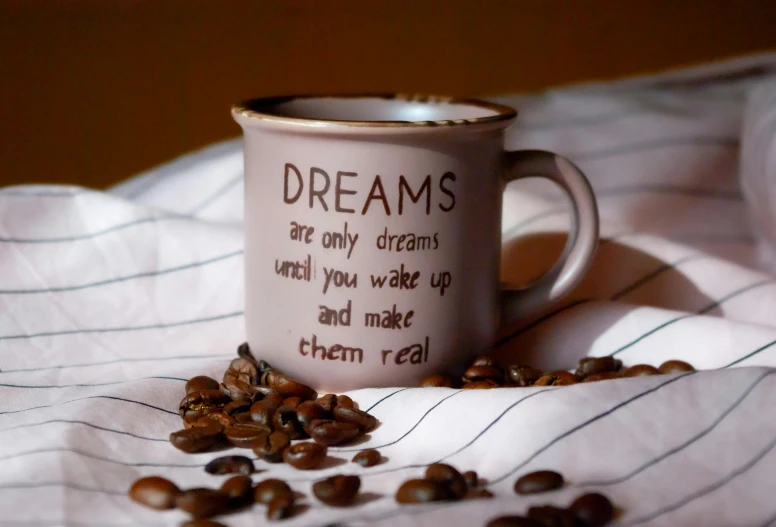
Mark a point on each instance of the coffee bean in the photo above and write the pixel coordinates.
(512, 521)
(246, 435)
(601, 376)
(640, 370)
(309, 411)
(271, 451)
(201, 382)
(230, 465)
(556, 378)
(219, 417)
(197, 439)
(236, 407)
(550, 516)
(328, 402)
(245, 417)
(154, 492)
(239, 489)
(367, 458)
(480, 385)
(345, 401)
(269, 489)
(202, 523)
(539, 481)
(337, 491)
(292, 402)
(286, 386)
(242, 370)
(438, 381)
(474, 494)
(471, 479)
(197, 404)
(593, 365)
(420, 491)
(244, 352)
(264, 410)
(204, 503)
(449, 477)
(280, 507)
(363, 420)
(675, 366)
(482, 373)
(483, 361)
(331, 433)
(285, 420)
(523, 375)
(594, 510)
(305, 456)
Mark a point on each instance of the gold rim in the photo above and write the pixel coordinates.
(257, 109)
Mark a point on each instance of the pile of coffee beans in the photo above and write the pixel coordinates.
(588, 510)
(484, 373)
(442, 482)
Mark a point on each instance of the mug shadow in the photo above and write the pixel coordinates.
(620, 279)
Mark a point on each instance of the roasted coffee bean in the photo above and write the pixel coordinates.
(328, 402)
(247, 435)
(201, 382)
(236, 407)
(438, 381)
(280, 507)
(154, 492)
(449, 477)
(292, 402)
(242, 370)
(550, 516)
(523, 375)
(267, 490)
(202, 523)
(305, 456)
(239, 488)
(337, 491)
(482, 373)
(539, 481)
(197, 404)
(593, 365)
(477, 493)
(264, 410)
(245, 417)
(309, 411)
(363, 420)
(483, 361)
(556, 378)
(286, 386)
(367, 458)
(331, 433)
(218, 417)
(285, 420)
(601, 376)
(204, 503)
(640, 370)
(471, 478)
(480, 385)
(244, 352)
(198, 439)
(230, 465)
(345, 401)
(420, 491)
(512, 521)
(271, 451)
(675, 366)
(594, 510)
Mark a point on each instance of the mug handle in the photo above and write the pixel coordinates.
(519, 302)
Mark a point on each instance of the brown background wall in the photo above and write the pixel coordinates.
(92, 91)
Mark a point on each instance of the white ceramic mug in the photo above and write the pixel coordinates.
(373, 234)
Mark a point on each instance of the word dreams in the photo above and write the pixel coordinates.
(319, 192)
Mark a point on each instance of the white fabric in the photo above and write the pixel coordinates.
(110, 300)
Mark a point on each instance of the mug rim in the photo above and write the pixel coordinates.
(250, 111)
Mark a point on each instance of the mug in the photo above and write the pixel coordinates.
(373, 235)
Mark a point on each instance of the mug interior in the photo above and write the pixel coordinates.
(378, 109)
